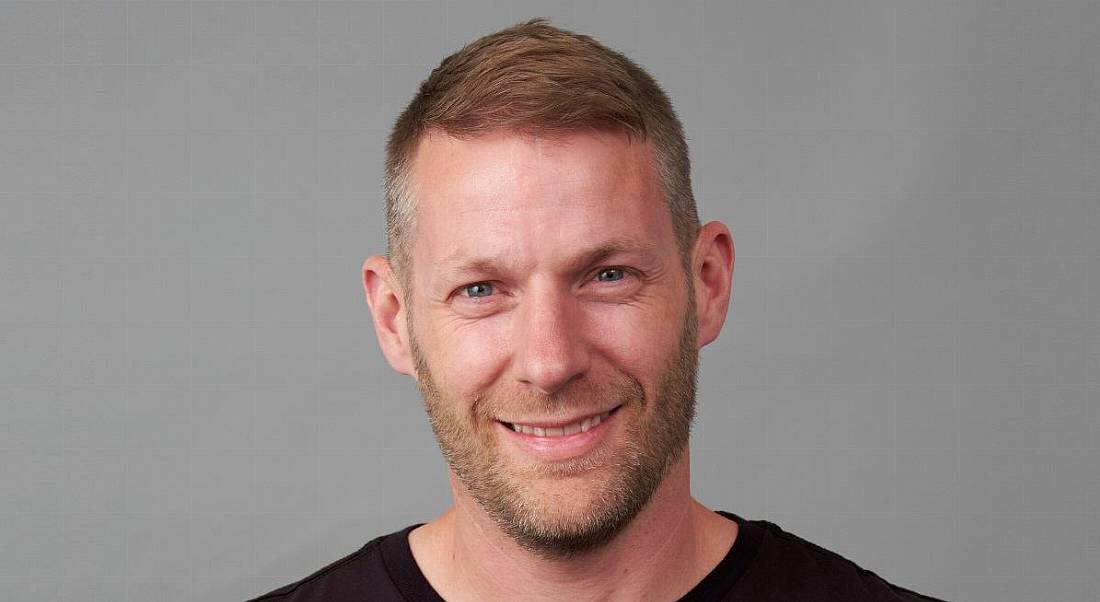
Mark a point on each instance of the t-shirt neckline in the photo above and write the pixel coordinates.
(410, 581)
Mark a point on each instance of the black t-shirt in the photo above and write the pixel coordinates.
(764, 564)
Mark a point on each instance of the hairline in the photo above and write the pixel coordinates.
(400, 189)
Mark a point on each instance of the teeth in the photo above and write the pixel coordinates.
(558, 431)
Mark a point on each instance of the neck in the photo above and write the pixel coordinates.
(661, 554)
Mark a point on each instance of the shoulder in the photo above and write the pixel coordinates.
(788, 567)
(346, 579)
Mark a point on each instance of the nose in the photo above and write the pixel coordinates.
(550, 348)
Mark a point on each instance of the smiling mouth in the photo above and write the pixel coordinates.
(580, 426)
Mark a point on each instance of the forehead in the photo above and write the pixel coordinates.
(534, 200)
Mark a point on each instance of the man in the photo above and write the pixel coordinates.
(548, 285)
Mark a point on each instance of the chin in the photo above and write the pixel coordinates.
(566, 533)
(566, 517)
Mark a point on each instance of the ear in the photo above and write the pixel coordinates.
(712, 269)
(387, 306)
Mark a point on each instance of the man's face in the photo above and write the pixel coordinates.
(547, 290)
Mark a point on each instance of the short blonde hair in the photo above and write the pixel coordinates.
(536, 78)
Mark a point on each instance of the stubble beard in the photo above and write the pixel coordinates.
(653, 443)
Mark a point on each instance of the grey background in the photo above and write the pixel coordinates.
(193, 403)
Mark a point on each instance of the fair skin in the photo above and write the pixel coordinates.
(539, 314)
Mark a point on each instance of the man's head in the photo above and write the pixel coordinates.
(548, 269)
(537, 79)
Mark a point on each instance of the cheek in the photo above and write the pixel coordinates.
(635, 340)
(469, 356)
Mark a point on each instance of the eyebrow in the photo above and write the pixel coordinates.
(454, 266)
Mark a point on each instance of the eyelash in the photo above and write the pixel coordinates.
(627, 272)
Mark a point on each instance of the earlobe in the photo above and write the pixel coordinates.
(387, 307)
(713, 273)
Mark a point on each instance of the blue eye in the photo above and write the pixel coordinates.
(610, 274)
(479, 289)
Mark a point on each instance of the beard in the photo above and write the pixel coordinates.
(618, 483)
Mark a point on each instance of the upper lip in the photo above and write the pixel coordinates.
(556, 422)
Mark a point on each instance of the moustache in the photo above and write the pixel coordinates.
(577, 399)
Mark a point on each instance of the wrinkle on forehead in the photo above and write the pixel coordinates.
(584, 255)
(523, 195)
(505, 165)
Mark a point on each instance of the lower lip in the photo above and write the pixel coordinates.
(563, 447)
